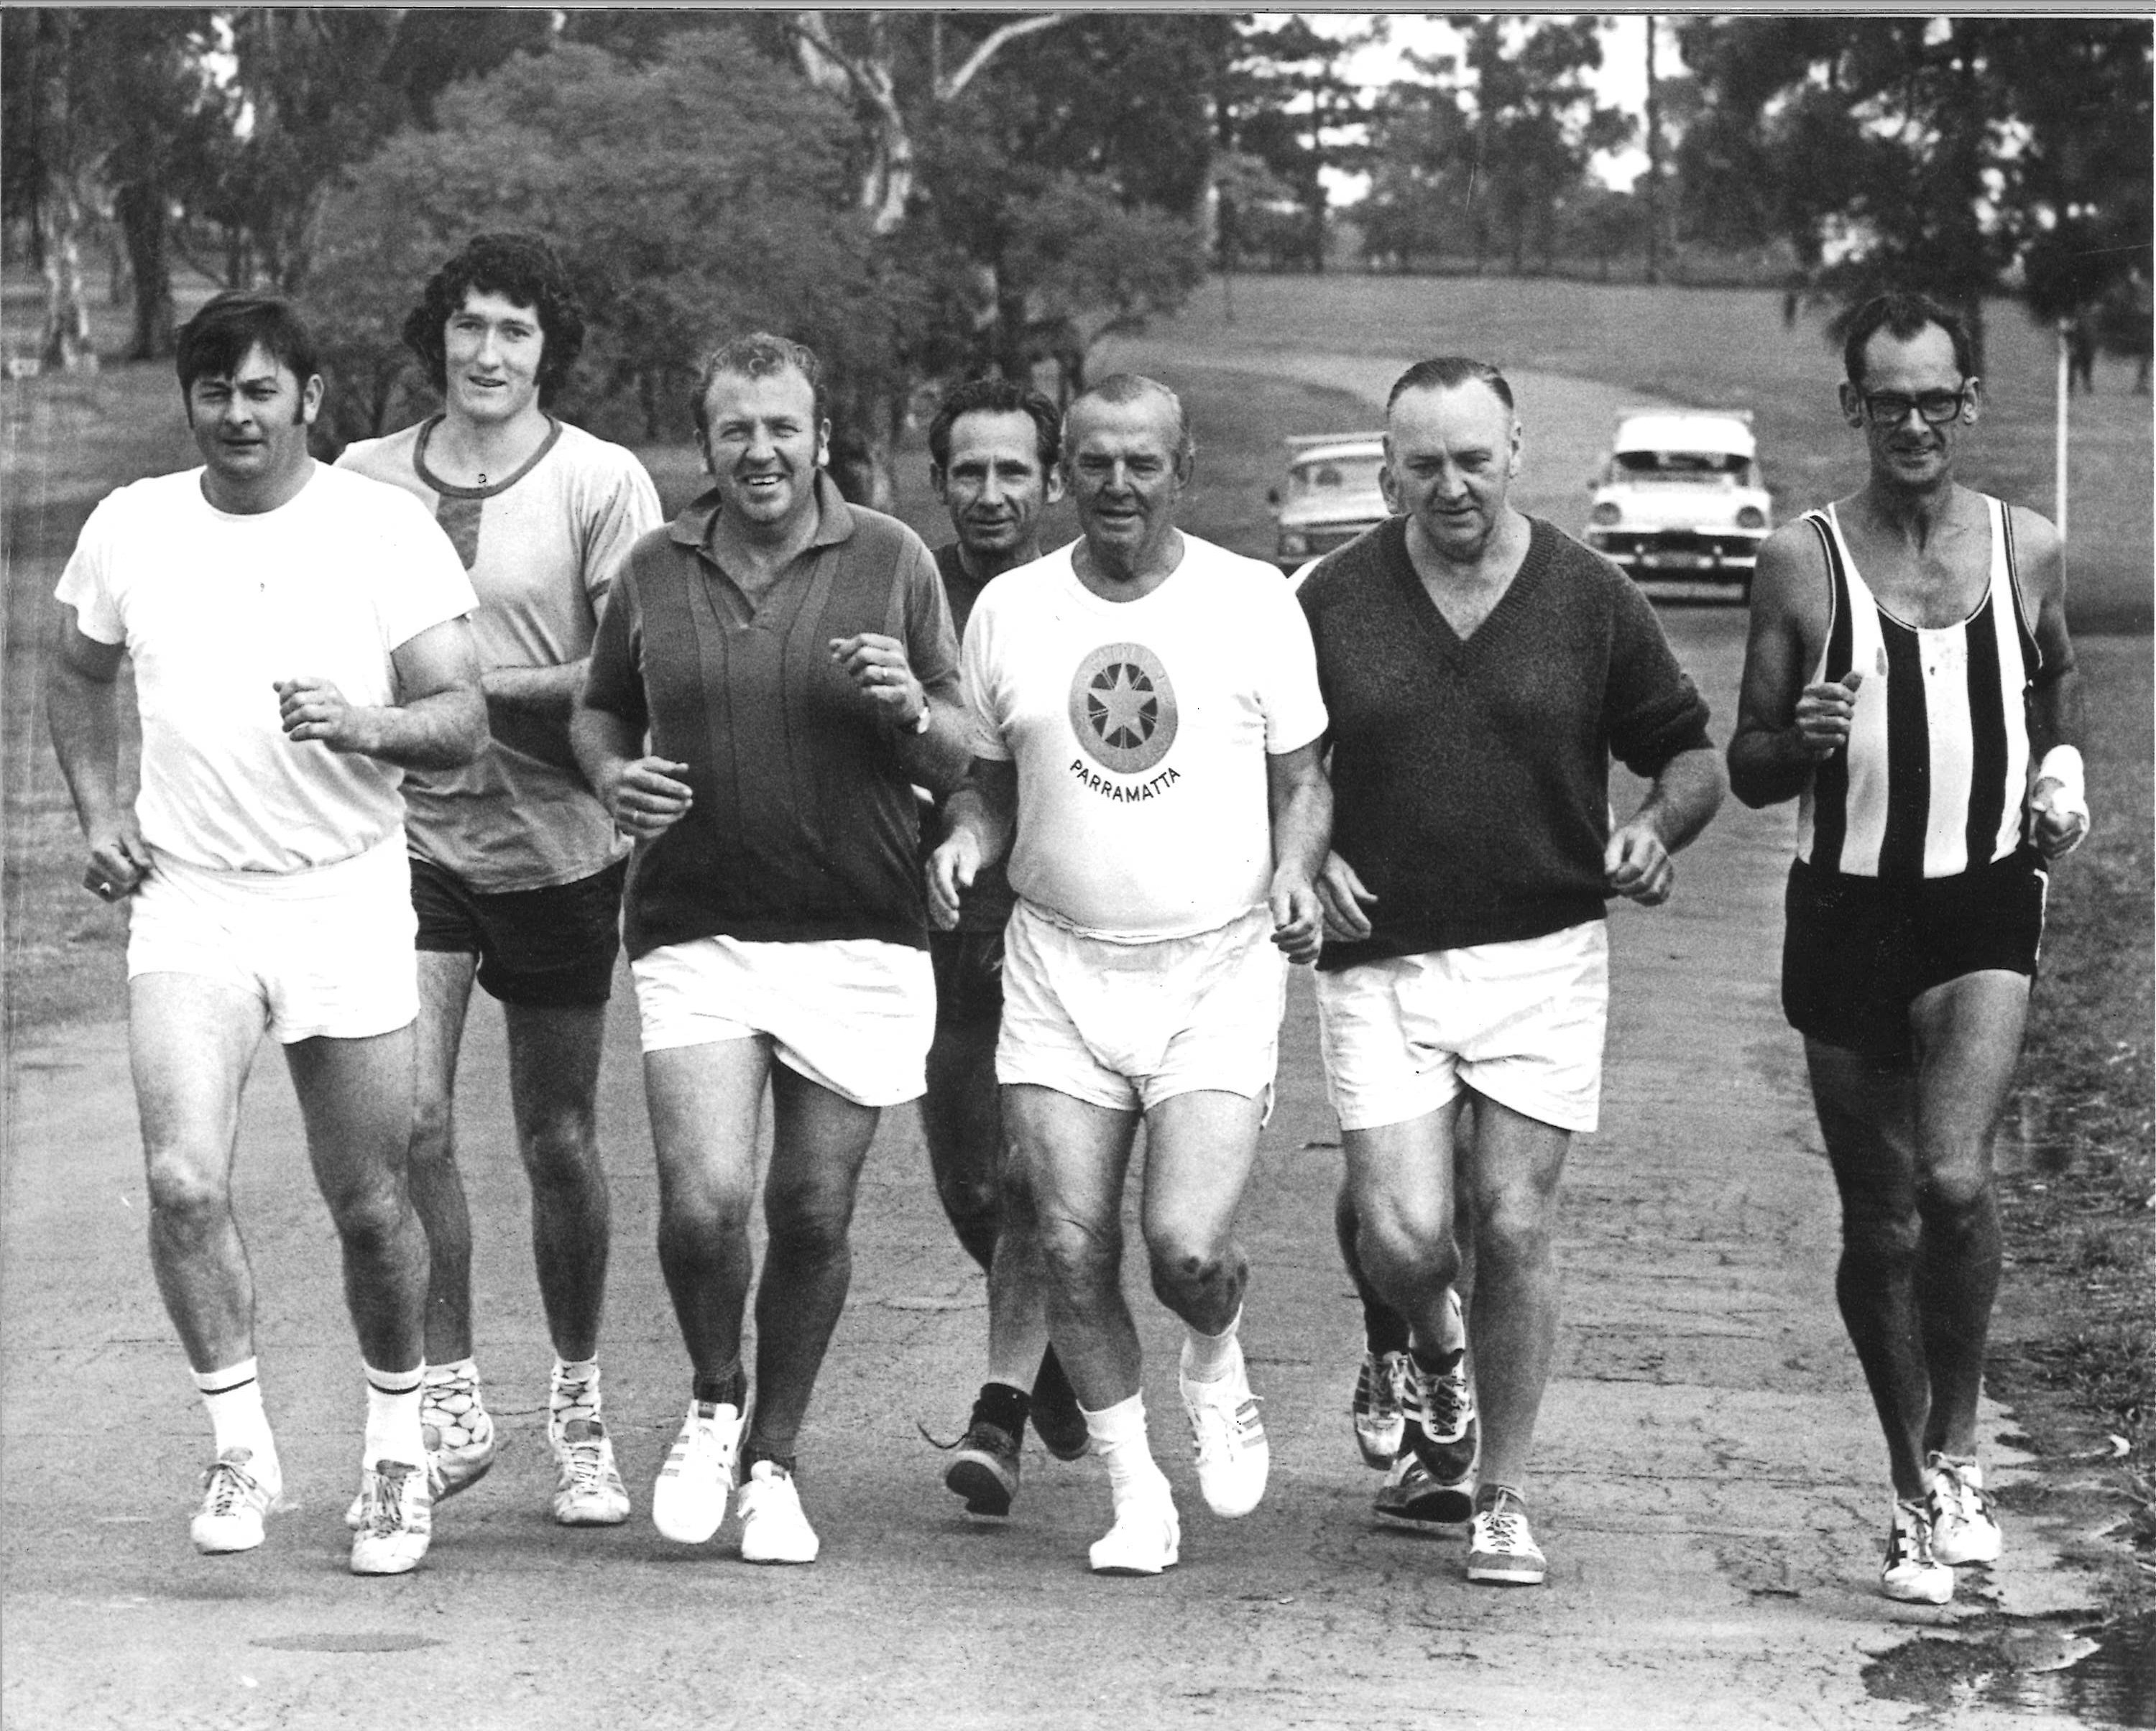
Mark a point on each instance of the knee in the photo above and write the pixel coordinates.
(561, 1153)
(1955, 1197)
(1402, 1257)
(1513, 1227)
(807, 1224)
(1185, 1266)
(369, 1212)
(1879, 1235)
(970, 1202)
(1081, 1255)
(432, 1121)
(702, 1207)
(186, 1193)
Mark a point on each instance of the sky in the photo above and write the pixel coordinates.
(1622, 80)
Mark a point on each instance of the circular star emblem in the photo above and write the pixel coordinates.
(1122, 708)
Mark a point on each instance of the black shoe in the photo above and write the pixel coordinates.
(1056, 1420)
(1441, 1428)
(985, 1473)
(1411, 1497)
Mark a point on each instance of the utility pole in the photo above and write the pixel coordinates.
(2059, 437)
(1653, 163)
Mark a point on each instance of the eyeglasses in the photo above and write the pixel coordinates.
(1890, 408)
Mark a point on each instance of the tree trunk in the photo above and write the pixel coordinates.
(141, 210)
(67, 346)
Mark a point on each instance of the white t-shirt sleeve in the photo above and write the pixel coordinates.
(85, 584)
(422, 581)
(977, 686)
(622, 510)
(1287, 681)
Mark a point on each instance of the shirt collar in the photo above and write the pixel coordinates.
(834, 517)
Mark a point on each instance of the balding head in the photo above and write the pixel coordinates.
(1121, 389)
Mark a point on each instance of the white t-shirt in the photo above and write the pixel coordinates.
(1140, 730)
(213, 609)
(540, 547)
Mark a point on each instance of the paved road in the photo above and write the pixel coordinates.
(1708, 1482)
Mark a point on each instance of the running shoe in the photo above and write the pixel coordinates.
(985, 1473)
(1380, 1426)
(1964, 1529)
(1500, 1548)
(588, 1491)
(774, 1528)
(1233, 1455)
(1439, 1422)
(689, 1499)
(1057, 1421)
(1146, 1539)
(1912, 1572)
(234, 1504)
(399, 1519)
(1411, 1496)
(459, 1433)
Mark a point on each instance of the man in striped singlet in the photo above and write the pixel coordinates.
(1910, 682)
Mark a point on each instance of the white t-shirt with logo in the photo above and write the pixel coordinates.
(213, 609)
(1140, 730)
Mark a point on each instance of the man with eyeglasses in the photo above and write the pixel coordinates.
(1909, 682)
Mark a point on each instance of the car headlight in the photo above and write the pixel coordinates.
(1607, 513)
(1750, 517)
(1293, 544)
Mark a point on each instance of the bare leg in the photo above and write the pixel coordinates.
(438, 1189)
(705, 1101)
(1399, 1192)
(1068, 1158)
(1517, 1163)
(1200, 1147)
(355, 1099)
(190, 1043)
(553, 1080)
(962, 1121)
(818, 1142)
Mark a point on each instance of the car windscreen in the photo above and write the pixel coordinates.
(1336, 477)
(1682, 466)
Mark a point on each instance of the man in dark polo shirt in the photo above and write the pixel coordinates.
(790, 658)
(992, 458)
(1480, 669)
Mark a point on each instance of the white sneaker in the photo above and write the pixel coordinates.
(1380, 1427)
(1146, 1539)
(774, 1528)
(589, 1492)
(1233, 1455)
(399, 1511)
(234, 1503)
(1501, 1547)
(1911, 1572)
(688, 1500)
(459, 1433)
(1962, 1528)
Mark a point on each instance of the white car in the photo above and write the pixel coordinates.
(1331, 497)
(1678, 499)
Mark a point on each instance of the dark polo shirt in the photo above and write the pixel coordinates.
(986, 906)
(803, 826)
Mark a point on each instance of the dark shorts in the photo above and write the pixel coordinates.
(554, 946)
(969, 975)
(1857, 952)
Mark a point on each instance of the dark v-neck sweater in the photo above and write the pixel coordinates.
(1471, 777)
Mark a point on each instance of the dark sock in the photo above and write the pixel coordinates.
(752, 1452)
(1384, 1329)
(1440, 1363)
(1004, 1406)
(729, 1390)
(1051, 1387)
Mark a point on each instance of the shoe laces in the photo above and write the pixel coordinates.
(1445, 1400)
(388, 1513)
(1505, 1523)
(1963, 1501)
(1910, 1540)
(1377, 1393)
(229, 1486)
(585, 1456)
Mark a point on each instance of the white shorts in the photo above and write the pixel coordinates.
(1127, 1026)
(853, 1015)
(1522, 1022)
(328, 950)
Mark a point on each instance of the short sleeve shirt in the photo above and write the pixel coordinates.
(1140, 730)
(214, 609)
(540, 547)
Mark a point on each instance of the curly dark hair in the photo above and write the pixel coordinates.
(523, 268)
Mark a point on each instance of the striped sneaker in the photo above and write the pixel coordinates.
(1379, 1426)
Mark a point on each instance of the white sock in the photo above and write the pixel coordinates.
(1119, 1439)
(233, 1397)
(392, 1418)
(1207, 1358)
(575, 1393)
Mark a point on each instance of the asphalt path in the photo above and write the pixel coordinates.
(1708, 1481)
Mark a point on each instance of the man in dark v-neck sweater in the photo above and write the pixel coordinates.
(1479, 669)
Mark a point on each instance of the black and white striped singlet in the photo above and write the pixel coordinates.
(1936, 770)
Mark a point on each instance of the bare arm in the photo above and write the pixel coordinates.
(82, 708)
(644, 795)
(881, 671)
(2059, 805)
(438, 723)
(547, 693)
(1684, 796)
(976, 831)
(1299, 800)
(1786, 727)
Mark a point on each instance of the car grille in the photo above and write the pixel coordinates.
(1679, 549)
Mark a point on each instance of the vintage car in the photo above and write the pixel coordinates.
(1331, 495)
(1678, 503)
